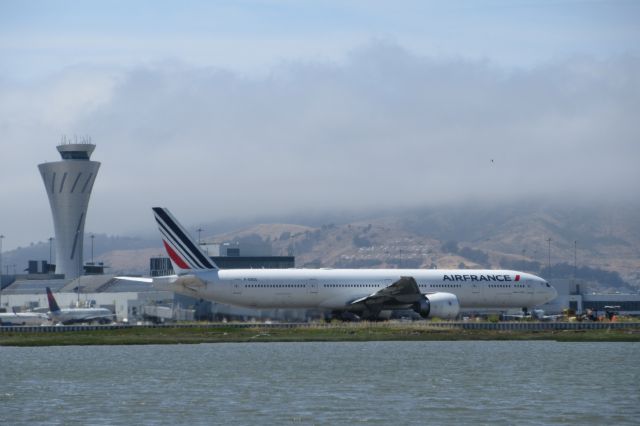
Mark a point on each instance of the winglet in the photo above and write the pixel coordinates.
(183, 251)
(53, 305)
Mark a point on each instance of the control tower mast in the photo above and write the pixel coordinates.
(68, 184)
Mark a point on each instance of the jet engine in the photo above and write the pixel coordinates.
(440, 305)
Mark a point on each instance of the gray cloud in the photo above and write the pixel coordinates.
(383, 128)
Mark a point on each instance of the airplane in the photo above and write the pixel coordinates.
(76, 315)
(364, 293)
(22, 318)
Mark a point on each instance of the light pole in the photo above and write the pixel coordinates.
(1, 238)
(575, 260)
(199, 231)
(50, 252)
(92, 237)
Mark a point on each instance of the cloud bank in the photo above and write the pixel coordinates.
(383, 128)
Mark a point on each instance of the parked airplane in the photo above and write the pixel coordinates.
(364, 292)
(77, 315)
(22, 318)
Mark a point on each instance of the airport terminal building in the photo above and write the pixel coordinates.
(576, 296)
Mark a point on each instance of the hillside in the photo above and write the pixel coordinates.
(507, 237)
(607, 240)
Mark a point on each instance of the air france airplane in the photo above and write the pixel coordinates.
(363, 292)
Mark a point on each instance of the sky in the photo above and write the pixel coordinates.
(222, 109)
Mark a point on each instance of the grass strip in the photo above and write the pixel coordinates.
(338, 333)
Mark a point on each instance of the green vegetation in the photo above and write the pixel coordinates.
(474, 255)
(566, 271)
(358, 332)
(586, 273)
(361, 241)
(520, 265)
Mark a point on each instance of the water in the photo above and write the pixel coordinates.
(323, 383)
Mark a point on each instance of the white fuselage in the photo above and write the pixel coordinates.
(337, 288)
(76, 315)
(22, 318)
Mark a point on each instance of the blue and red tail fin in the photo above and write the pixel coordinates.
(53, 305)
(185, 254)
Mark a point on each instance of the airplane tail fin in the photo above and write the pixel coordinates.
(53, 305)
(185, 255)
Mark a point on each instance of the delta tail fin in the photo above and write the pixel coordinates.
(53, 305)
(186, 257)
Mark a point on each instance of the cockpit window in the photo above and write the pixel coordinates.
(547, 284)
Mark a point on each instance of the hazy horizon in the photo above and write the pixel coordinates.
(265, 108)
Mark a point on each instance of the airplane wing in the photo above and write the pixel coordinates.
(137, 279)
(189, 282)
(405, 291)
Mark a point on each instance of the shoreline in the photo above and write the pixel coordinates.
(333, 333)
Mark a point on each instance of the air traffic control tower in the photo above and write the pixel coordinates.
(68, 184)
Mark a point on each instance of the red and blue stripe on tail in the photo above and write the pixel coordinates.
(184, 253)
(53, 305)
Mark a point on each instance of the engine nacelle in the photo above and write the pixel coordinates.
(440, 305)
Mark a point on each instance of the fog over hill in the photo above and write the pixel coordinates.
(605, 238)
